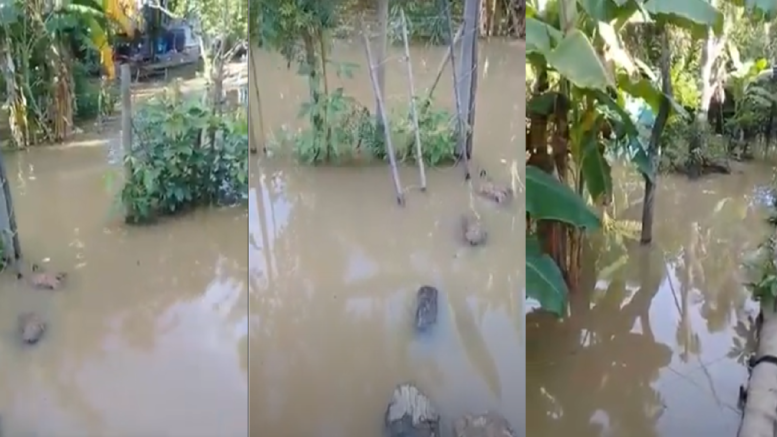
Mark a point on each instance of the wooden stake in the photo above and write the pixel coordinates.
(253, 74)
(10, 210)
(459, 115)
(126, 112)
(384, 119)
(418, 150)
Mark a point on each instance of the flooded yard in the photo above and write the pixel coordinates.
(657, 337)
(335, 265)
(148, 336)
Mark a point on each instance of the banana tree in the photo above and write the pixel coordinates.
(36, 42)
(576, 114)
(752, 100)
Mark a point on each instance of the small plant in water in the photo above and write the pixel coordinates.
(174, 165)
(761, 264)
(351, 132)
(763, 271)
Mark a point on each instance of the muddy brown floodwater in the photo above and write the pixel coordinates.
(657, 337)
(335, 264)
(149, 334)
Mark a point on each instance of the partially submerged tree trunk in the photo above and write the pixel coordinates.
(648, 206)
(17, 103)
(62, 108)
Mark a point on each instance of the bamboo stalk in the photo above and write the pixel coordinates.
(384, 119)
(413, 109)
(443, 63)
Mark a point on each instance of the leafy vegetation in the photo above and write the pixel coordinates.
(341, 128)
(46, 46)
(55, 55)
(590, 65)
(184, 155)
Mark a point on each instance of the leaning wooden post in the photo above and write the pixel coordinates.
(443, 63)
(12, 227)
(126, 115)
(418, 151)
(384, 119)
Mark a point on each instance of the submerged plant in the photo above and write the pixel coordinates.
(173, 164)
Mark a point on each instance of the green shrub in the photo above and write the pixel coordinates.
(174, 165)
(353, 132)
(437, 129)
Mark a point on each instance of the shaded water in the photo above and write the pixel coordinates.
(335, 263)
(148, 337)
(657, 336)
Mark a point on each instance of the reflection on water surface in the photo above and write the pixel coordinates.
(149, 335)
(334, 265)
(657, 336)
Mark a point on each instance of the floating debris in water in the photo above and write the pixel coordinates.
(426, 308)
(31, 328)
(410, 414)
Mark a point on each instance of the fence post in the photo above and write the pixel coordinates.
(460, 116)
(468, 65)
(383, 118)
(13, 230)
(126, 112)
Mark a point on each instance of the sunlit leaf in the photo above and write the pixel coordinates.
(575, 58)
(549, 199)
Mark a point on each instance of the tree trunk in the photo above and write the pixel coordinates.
(648, 206)
(17, 102)
(710, 52)
(62, 108)
(517, 13)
